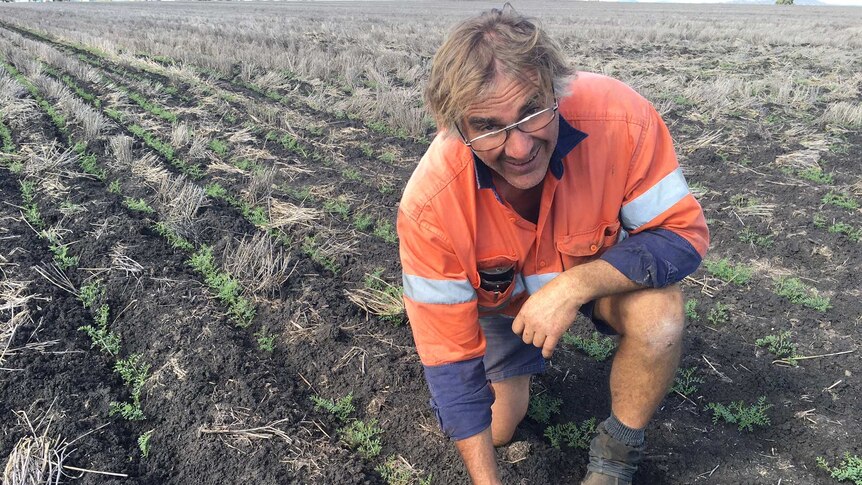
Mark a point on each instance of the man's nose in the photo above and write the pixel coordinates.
(519, 145)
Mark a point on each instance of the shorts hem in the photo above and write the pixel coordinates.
(536, 368)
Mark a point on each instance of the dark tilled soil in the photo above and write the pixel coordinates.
(208, 375)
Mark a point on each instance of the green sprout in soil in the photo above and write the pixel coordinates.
(397, 471)
(385, 188)
(384, 230)
(338, 206)
(134, 372)
(780, 346)
(362, 437)
(366, 149)
(686, 381)
(341, 409)
(114, 187)
(31, 210)
(352, 174)
(840, 199)
(597, 346)
(62, 257)
(6, 144)
(173, 238)
(691, 310)
(571, 434)
(106, 340)
(388, 157)
(726, 271)
(740, 414)
(219, 147)
(850, 469)
(152, 108)
(227, 289)
(291, 144)
(144, 443)
(265, 341)
(138, 205)
(748, 235)
(91, 293)
(90, 165)
(719, 314)
(311, 248)
(362, 222)
(543, 407)
(852, 233)
(815, 174)
(798, 293)
(819, 220)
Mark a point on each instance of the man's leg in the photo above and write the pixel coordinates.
(650, 323)
(511, 400)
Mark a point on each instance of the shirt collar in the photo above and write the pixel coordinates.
(567, 140)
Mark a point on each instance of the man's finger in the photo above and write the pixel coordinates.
(549, 346)
(527, 337)
(518, 325)
(539, 340)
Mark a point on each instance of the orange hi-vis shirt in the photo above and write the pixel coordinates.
(613, 176)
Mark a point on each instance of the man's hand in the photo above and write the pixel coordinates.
(548, 313)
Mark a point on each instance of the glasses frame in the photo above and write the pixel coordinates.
(509, 128)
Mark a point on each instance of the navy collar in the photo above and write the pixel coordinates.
(567, 140)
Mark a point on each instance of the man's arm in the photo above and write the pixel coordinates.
(549, 312)
(479, 457)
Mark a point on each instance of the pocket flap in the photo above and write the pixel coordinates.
(589, 243)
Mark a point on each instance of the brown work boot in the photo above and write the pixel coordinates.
(611, 461)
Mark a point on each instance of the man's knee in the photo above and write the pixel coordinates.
(652, 316)
(512, 398)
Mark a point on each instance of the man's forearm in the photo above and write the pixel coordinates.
(597, 279)
(479, 457)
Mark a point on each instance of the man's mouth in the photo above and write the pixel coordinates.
(526, 162)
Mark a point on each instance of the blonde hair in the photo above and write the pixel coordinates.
(498, 40)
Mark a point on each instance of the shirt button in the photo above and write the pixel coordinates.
(594, 247)
(542, 263)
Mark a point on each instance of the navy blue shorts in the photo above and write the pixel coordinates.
(506, 355)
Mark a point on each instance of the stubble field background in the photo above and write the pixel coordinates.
(212, 189)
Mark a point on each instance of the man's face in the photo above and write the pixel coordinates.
(523, 160)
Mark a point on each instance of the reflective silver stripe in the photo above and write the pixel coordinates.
(437, 292)
(535, 282)
(661, 197)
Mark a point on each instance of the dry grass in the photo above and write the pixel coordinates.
(259, 263)
(36, 458)
(285, 214)
(13, 314)
(378, 297)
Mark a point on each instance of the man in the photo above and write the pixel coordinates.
(544, 194)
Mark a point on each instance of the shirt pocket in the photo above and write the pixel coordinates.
(498, 290)
(580, 248)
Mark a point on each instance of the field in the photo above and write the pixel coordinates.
(199, 276)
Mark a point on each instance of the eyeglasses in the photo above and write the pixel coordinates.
(497, 138)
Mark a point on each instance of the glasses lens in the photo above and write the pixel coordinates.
(489, 142)
(537, 122)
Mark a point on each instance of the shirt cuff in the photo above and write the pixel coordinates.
(654, 258)
(461, 397)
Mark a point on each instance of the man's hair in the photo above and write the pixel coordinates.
(498, 40)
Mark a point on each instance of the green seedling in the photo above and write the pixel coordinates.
(691, 310)
(338, 206)
(819, 220)
(366, 149)
(749, 236)
(840, 199)
(114, 187)
(313, 250)
(90, 165)
(543, 407)
(780, 346)
(386, 231)
(724, 270)
(226, 288)
(850, 469)
(62, 257)
(173, 238)
(388, 157)
(571, 434)
(798, 293)
(852, 233)
(597, 346)
(686, 381)
(362, 437)
(719, 314)
(396, 471)
(218, 147)
(352, 174)
(363, 222)
(740, 414)
(815, 174)
(265, 341)
(133, 371)
(341, 409)
(106, 340)
(144, 443)
(291, 144)
(91, 293)
(138, 205)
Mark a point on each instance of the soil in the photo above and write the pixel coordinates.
(208, 375)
